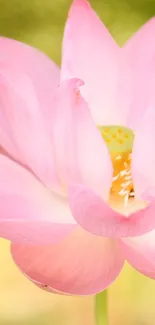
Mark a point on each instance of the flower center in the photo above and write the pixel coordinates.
(119, 141)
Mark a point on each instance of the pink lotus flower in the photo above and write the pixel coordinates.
(73, 201)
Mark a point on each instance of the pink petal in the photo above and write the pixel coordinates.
(140, 51)
(23, 128)
(143, 93)
(29, 212)
(143, 154)
(140, 253)
(82, 264)
(90, 53)
(97, 217)
(80, 151)
(42, 71)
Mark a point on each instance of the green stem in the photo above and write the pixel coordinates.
(101, 308)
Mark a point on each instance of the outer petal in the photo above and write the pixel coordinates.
(140, 51)
(80, 151)
(140, 253)
(143, 155)
(80, 265)
(90, 53)
(24, 132)
(28, 210)
(97, 217)
(42, 71)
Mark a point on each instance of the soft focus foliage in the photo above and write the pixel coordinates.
(40, 23)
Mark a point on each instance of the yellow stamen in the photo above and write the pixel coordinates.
(120, 141)
(122, 189)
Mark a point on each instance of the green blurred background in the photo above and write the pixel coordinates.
(132, 297)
